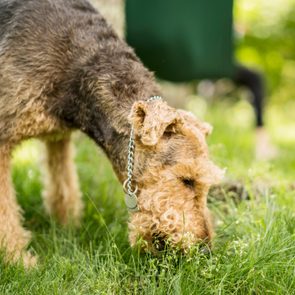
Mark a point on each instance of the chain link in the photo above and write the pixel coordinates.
(130, 163)
(127, 186)
(155, 97)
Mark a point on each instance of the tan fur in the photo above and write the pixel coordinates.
(13, 237)
(22, 111)
(22, 116)
(62, 194)
(150, 120)
(168, 209)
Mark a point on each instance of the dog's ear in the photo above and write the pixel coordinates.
(190, 119)
(151, 119)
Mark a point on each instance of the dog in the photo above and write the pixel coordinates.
(63, 68)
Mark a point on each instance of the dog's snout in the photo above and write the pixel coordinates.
(159, 242)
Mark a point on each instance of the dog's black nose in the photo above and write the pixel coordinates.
(159, 243)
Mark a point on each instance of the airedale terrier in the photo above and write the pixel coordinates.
(64, 68)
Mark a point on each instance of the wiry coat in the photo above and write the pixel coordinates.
(62, 68)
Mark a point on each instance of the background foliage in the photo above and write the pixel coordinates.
(265, 34)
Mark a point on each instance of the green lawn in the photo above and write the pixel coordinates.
(254, 246)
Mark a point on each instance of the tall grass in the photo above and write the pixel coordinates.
(254, 245)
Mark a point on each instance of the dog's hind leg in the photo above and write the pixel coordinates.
(62, 196)
(13, 237)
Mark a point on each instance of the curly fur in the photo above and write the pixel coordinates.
(169, 207)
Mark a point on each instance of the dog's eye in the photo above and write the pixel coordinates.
(170, 131)
(189, 182)
(168, 134)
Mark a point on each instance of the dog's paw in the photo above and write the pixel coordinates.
(29, 260)
(22, 258)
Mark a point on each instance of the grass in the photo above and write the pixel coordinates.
(254, 246)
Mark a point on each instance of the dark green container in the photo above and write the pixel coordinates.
(182, 40)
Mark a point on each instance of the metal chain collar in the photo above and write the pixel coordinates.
(131, 197)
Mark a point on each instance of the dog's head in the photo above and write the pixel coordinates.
(173, 173)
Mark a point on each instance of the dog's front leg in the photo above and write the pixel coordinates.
(13, 237)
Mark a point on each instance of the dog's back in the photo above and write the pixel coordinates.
(43, 46)
(7, 10)
(35, 34)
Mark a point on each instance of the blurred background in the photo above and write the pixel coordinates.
(263, 37)
(239, 50)
(265, 34)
